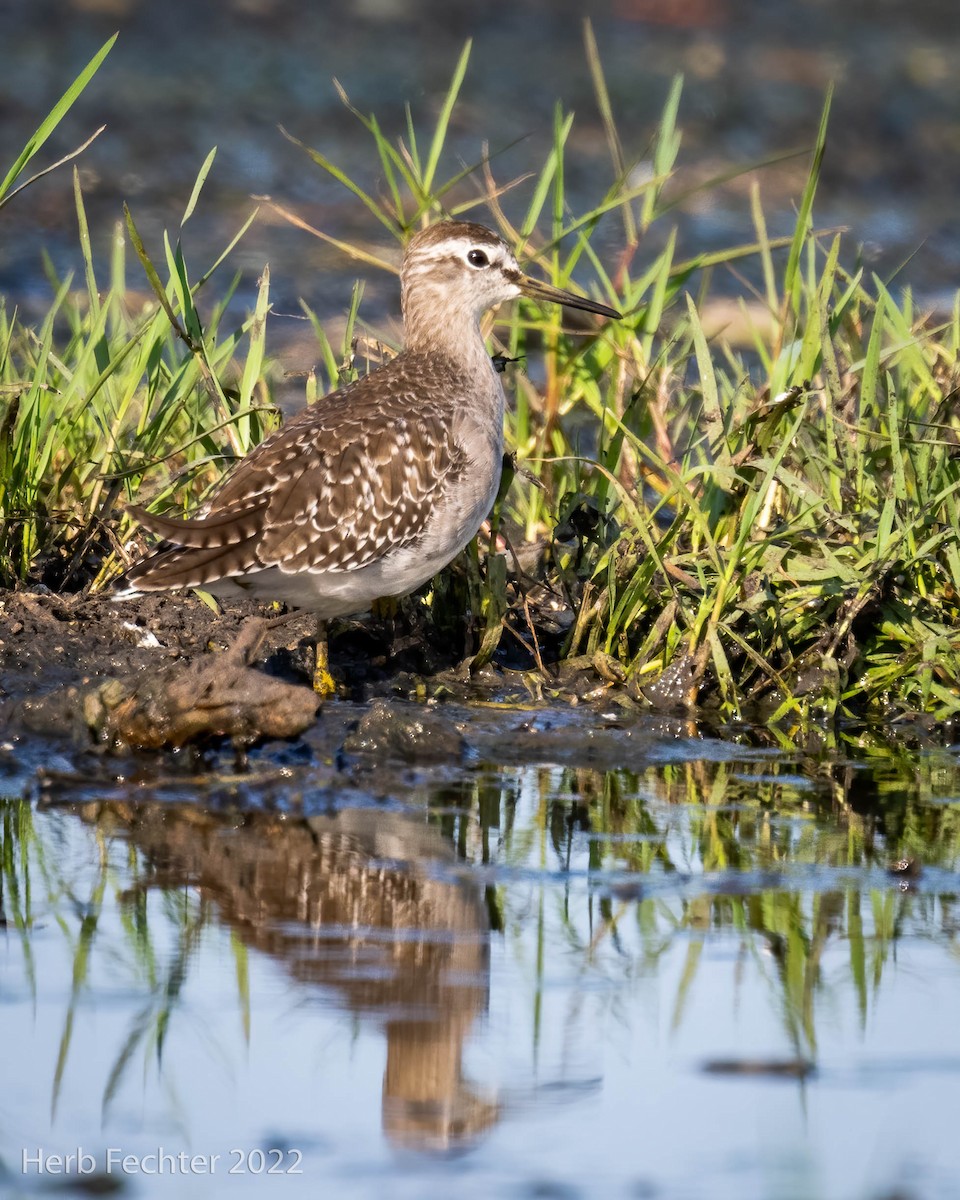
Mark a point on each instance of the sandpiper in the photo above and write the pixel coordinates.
(369, 492)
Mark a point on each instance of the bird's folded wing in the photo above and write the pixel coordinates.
(372, 488)
(347, 480)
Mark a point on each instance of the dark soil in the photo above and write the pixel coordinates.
(60, 657)
(57, 654)
(49, 641)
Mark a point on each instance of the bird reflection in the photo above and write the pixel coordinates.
(357, 903)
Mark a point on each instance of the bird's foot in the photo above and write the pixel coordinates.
(323, 682)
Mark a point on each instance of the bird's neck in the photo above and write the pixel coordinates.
(457, 354)
(433, 325)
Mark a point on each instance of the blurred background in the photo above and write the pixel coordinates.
(187, 75)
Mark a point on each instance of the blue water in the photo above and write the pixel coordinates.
(698, 978)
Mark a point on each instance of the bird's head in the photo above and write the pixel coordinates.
(454, 271)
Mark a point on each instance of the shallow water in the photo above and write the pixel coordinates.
(708, 975)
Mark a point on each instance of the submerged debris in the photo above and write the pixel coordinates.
(422, 736)
(773, 1068)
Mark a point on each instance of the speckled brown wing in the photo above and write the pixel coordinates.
(355, 490)
(345, 481)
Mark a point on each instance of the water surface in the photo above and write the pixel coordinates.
(730, 970)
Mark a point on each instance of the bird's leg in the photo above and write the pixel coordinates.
(323, 683)
(385, 611)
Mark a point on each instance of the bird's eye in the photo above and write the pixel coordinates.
(477, 258)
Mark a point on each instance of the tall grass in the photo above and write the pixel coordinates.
(102, 394)
(772, 531)
(114, 388)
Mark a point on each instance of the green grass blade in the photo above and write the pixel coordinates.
(198, 187)
(803, 225)
(54, 117)
(443, 121)
(341, 176)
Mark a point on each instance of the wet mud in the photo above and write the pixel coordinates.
(95, 675)
(163, 671)
(97, 693)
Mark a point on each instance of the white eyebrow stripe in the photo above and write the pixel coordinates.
(460, 246)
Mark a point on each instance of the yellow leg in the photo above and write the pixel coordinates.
(323, 683)
(386, 608)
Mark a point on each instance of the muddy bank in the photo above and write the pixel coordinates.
(62, 658)
(163, 671)
(60, 655)
(50, 641)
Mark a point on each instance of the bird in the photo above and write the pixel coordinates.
(370, 491)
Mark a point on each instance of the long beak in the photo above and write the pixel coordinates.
(543, 291)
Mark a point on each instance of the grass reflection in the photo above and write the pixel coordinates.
(789, 859)
(607, 883)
